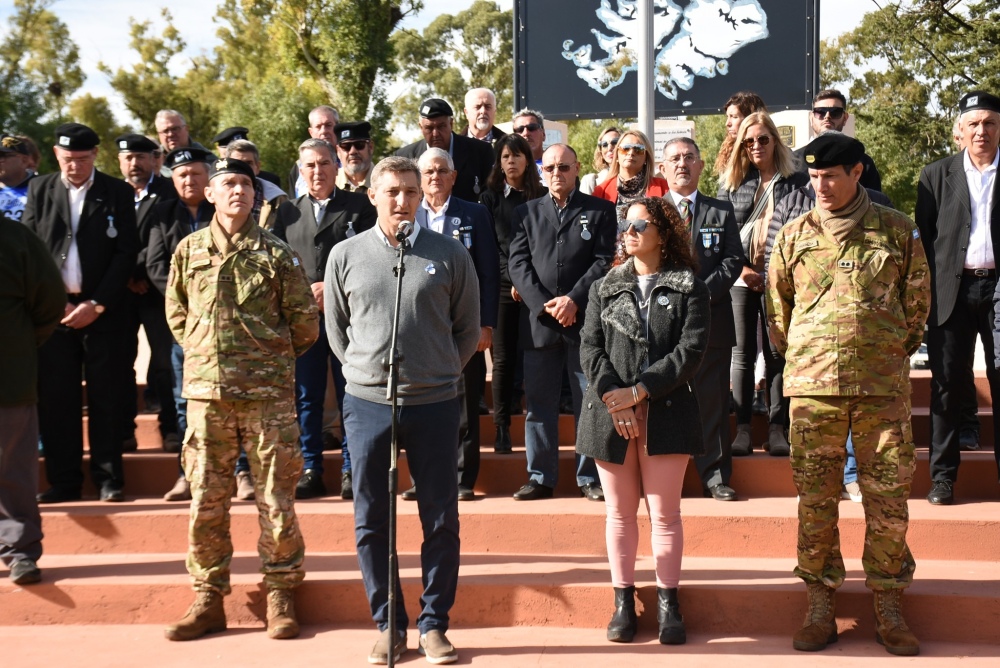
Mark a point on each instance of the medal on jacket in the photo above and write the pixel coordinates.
(350, 229)
(662, 300)
(476, 188)
(585, 233)
(112, 232)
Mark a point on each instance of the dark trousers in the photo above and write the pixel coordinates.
(64, 361)
(505, 357)
(748, 311)
(470, 389)
(950, 347)
(20, 522)
(429, 435)
(711, 386)
(180, 403)
(148, 311)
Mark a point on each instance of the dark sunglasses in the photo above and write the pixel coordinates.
(763, 140)
(638, 225)
(561, 167)
(832, 112)
(605, 144)
(360, 144)
(530, 127)
(631, 148)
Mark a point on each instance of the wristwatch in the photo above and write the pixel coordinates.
(97, 307)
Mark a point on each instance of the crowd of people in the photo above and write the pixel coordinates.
(627, 297)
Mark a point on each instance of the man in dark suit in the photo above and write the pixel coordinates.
(312, 225)
(561, 244)
(473, 159)
(716, 244)
(137, 161)
(174, 219)
(470, 224)
(961, 235)
(480, 113)
(322, 121)
(87, 219)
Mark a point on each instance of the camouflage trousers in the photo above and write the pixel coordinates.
(883, 445)
(269, 433)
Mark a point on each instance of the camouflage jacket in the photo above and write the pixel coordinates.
(242, 314)
(847, 317)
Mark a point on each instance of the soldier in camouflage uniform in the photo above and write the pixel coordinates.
(848, 295)
(239, 304)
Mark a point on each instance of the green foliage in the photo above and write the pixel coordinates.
(471, 49)
(95, 113)
(583, 136)
(709, 131)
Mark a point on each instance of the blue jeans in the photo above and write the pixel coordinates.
(429, 435)
(543, 373)
(177, 366)
(851, 464)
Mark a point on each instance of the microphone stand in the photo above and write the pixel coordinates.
(392, 396)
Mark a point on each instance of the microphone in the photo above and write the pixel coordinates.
(404, 230)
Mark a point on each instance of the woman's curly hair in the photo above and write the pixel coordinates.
(675, 239)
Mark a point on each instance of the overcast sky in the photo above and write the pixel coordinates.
(100, 28)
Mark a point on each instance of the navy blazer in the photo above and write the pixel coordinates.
(473, 160)
(471, 225)
(106, 262)
(550, 257)
(296, 225)
(715, 240)
(944, 217)
(172, 222)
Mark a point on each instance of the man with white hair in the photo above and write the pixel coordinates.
(480, 112)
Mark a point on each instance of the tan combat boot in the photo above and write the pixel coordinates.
(206, 615)
(281, 623)
(820, 627)
(890, 628)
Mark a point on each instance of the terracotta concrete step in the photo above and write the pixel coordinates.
(487, 647)
(951, 601)
(572, 526)
(152, 473)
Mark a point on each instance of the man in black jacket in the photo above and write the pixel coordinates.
(87, 220)
(312, 225)
(829, 112)
(716, 244)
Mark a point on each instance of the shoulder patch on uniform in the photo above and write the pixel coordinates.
(916, 234)
(295, 261)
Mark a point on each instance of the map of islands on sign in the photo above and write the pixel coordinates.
(692, 41)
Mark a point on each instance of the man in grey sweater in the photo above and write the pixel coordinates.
(438, 334)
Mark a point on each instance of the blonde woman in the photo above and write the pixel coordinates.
(604, 153)
(631, 174)
(758, 174)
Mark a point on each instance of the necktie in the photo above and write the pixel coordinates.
(685, 210)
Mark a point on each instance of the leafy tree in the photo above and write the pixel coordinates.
(454, 53)
(95, 113)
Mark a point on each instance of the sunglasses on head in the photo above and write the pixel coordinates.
(360, 144)
(530, 127)
(607, 142)
(763, 140)
(561, 167)
(638, 225)
(832, 112)
(631, 148)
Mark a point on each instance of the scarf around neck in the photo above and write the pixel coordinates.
(629, 190)
(838, 224)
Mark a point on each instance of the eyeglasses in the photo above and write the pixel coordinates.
(631, 148)
(530, 127)
(832, 112)
(604, 144)
(763, 140)
(561, 167)
(347, 146)
(638, 225)
(687, 157)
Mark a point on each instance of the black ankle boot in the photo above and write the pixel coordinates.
(502, 446)
(623, 622)
(668, 614)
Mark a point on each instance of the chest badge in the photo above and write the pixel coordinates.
(112, 232)
(662, 300)
(585, 233)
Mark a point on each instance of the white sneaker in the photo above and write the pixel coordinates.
(852, 491)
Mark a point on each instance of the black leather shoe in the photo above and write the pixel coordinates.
(346, 486)
(503, 446)
(465, 494)
(310, 485)
(410, 494)
(721, 492)
(941, 493)
(533, 490)
(25, 571)
(112, 493)
(58, 495)
(592, 491)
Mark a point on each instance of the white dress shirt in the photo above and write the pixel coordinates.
(427, 217)
(980, 251)
(72, 271)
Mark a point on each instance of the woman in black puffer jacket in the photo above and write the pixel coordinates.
(758, 175)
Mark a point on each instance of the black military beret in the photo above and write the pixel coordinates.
(133, 143)
(230, 135)
(352, 131)
(833, 149)
(230, 166)
(979, 99)
(11, 144)
(435, 108)
(76, 137)
(186, 154)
